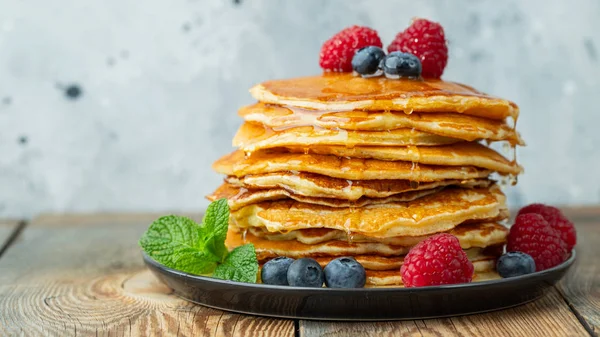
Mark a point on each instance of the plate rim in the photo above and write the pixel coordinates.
(533, 276)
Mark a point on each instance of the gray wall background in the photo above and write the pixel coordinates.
(161, 81)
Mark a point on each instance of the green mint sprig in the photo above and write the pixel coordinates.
(180, 243)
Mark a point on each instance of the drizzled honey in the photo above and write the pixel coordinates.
(345, 92)
(465, 127)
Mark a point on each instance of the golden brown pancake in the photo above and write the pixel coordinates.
(459, 154)
(377, 262)
(316, 185)
(470, 235)
(345, 92)
(452, 125)
(252, 137)
(239, 197)
(236, 164)
(434, 213)
(267, 249)
(484, 271)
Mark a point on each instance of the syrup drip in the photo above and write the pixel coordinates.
(348, 188)
(514, 154)
(350, 237)
(347, 225)
(283, 117)
(297, 117)
(344, 87)
(505, 148)
(415, 172)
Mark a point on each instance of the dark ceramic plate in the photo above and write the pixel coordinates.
(359, 304)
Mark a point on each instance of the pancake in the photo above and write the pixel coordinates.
(346, 92)
(261, 162)
(485, 235)
(479, 234)
(452, 125)
(238, 197)
(380, 263)
(459, 154)
(267, 249)
(434, 213)
(251, 137)
(316, 185)
(484, 271)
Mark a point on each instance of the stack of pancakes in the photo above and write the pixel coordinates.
(337, 165)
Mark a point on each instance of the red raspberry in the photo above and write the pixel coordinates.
(337, 52)
(532, 235)
(556, 219)
(426, 40)
(437, 260)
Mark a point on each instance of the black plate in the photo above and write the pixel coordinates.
(359, 304)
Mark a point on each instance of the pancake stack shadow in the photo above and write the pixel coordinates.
(336, 165)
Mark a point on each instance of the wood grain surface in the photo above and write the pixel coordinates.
(581, 286)
(8, 232)
(71, 275)
(548, 316)
(68, 276)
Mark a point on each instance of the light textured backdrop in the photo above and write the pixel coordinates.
(161, 81)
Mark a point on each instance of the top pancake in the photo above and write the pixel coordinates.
(452, 125)
(345, 92)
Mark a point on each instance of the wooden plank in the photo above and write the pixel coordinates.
(8, 231)
(580, 215)
(581, 287)
(548, 316)
(80, 275)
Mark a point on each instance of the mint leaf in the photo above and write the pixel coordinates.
(240, 265)
(175, 242)
(214, 228)
(180, 243)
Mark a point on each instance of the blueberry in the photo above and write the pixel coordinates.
(345, 272)
(305, 272)
(366, 60)
(275, 271)
(514, 264)
(398, 64)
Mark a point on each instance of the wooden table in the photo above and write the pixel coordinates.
(67, 275)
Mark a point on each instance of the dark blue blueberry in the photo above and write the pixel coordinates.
(345, 272)
(275, 271)
(514, 264)
(398, 64)
(305, 272)
(366, 60)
